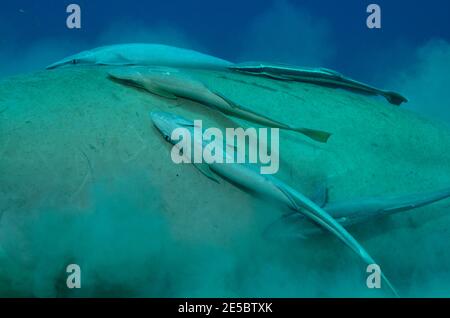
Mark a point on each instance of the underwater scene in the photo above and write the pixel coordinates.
(222, 149)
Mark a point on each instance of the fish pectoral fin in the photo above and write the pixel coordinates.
(292, 200)
(229, 101)
(206, 171)
(320, 197)
(160, 92)
(317, 135)
(295, 205)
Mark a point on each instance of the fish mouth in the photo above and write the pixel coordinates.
(127, 82)
(124, 79)
(157, 116)
(160, 122)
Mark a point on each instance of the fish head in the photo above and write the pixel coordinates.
(86, 57)
(128, 75)
(142, 77)
(166, 123)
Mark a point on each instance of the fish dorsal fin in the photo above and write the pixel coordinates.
(292, 200)
(206, 171)
(330, 71)
(229, 102)
(320, 196)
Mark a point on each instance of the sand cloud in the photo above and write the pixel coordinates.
(425, 82)
(288, 34)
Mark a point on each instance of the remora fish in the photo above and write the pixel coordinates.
(247, 177)
(359, 210)
(172, 85)
(319, 76)
(144, 54)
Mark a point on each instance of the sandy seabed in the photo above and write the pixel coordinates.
(85, 178)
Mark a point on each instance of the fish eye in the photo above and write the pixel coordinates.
(74, 61)
(167, 138)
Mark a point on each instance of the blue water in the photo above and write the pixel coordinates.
(227, 28)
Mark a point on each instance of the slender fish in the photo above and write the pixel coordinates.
(170, 84)
(319, 76)
(359, 210)
(247, 177)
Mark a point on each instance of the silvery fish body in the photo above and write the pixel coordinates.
(319, 76)
(144, 54)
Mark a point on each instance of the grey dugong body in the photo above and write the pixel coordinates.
(53, 121)
(62, 132)
(144, 54)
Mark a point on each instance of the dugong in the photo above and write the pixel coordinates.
(65, 133)
(144, 54)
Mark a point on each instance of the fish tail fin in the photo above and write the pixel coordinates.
(327, 222)
(369, 260)
(317, 135)
(395, 98)
(391, 287)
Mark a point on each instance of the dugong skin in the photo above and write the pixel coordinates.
(61, 131)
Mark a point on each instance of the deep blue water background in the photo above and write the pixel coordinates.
(216, 26)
